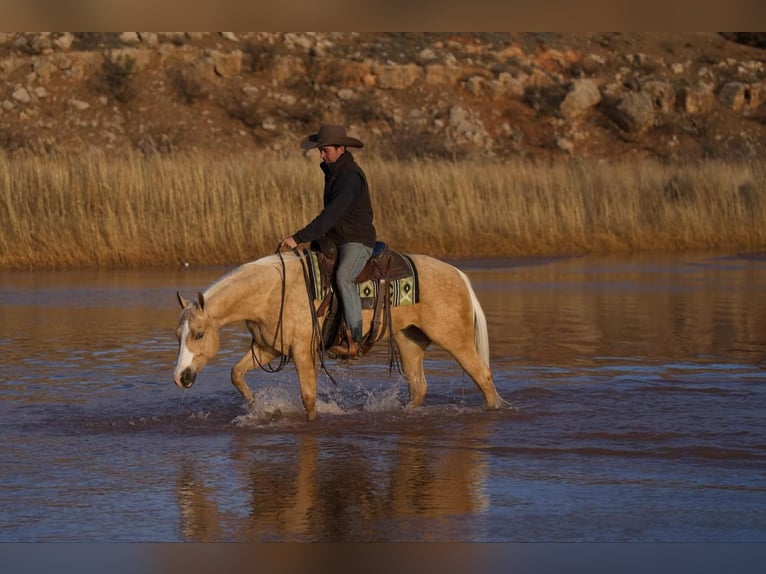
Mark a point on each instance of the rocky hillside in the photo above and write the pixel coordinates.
(598, 95)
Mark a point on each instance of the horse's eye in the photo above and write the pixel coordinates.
(198, 336)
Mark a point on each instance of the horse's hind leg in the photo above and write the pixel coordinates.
(412, 344)
(463, 349)
(472, 364)
(482, 376)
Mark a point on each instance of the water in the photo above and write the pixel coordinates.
(639, 384)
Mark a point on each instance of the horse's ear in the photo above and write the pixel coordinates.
(181, 301)
(201, 301)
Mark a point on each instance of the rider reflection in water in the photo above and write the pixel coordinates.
(346, 219)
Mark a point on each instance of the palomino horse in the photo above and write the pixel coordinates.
(270, 295)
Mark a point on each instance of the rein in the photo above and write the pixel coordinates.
(279, 332)
(283, 358)
(316, 337)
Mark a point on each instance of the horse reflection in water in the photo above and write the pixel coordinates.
(419, 489)
(282, 496)
(270, 295)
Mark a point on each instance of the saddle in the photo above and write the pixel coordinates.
(382, 270)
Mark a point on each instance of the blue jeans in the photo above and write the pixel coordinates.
(351, 260)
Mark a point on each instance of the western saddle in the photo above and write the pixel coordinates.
(383, 267)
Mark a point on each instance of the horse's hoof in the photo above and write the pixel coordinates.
(507, 406)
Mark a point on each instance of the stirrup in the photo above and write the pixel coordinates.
(342, 351)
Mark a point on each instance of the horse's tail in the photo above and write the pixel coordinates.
(480, 332)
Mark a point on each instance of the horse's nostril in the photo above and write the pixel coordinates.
(187, 378)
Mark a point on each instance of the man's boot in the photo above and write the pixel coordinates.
(352, 349)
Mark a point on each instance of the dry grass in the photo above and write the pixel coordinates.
(84, 211)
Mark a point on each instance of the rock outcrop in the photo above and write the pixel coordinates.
(496, 95)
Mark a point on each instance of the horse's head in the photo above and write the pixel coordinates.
(197, 340)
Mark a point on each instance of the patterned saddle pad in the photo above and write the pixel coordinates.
(403, 291)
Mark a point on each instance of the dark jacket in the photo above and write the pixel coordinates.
(347, 215)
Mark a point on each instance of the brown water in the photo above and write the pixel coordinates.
(639, 383)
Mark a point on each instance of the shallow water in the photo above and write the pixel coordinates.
(638, 382)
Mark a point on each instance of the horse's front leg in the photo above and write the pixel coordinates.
(247, 362)
(306, 365)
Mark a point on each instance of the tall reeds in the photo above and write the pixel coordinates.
(97, 210)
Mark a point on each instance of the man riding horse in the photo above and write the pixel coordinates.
(346, 219)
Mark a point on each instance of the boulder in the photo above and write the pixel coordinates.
(22, 95)
(633, 112)
(227, 64)
(130, 38)
(734, 95)
(64, 41)
(697, 99)
(662, 94)
(466, 127)
(582, 96)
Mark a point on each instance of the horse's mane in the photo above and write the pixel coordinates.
(273, 261)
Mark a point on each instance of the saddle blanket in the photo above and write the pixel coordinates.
(402, 291)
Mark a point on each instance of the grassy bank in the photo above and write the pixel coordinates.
(93, 210)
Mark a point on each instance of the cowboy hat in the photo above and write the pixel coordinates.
(330, 135)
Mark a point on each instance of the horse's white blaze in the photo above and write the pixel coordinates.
(185, 356)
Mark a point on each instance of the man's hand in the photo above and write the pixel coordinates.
(288, 242)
